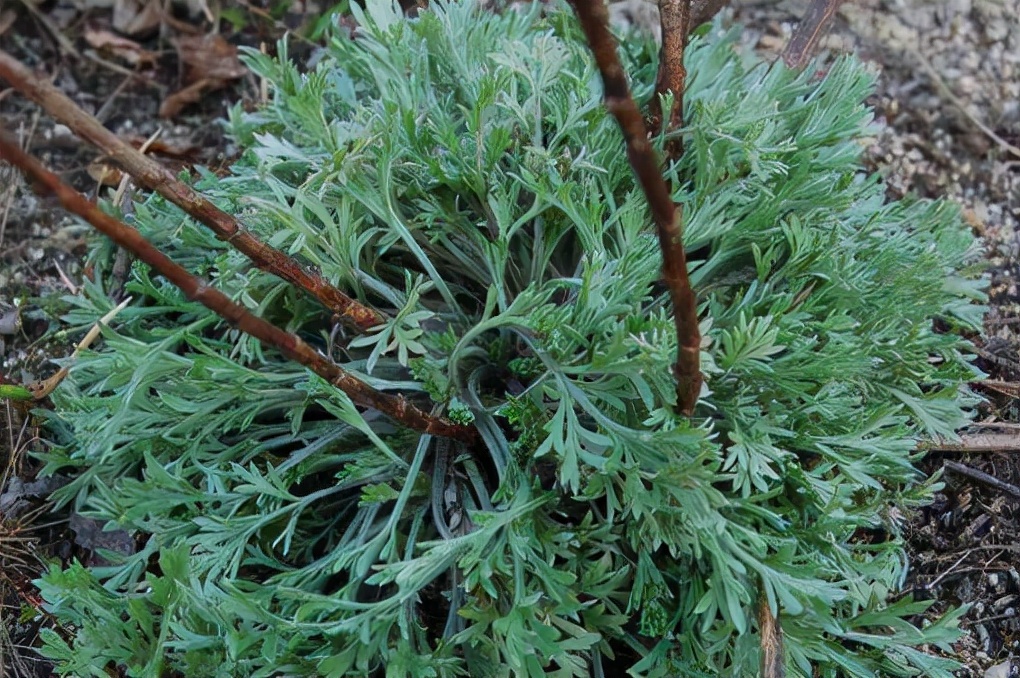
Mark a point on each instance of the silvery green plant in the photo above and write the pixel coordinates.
(458, 172)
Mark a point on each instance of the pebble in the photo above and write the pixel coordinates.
(999, 670)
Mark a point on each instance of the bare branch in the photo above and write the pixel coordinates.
(675, 18)
(155, 177)
(809, 31)
(594, 20)
(983, 478)
(290, 345)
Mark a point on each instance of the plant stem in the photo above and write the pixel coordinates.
(594, 20)
(675, 19)
(196, 289)
(155, 177)
(809, 31)
(773, 660)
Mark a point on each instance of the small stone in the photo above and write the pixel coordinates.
(999, 670)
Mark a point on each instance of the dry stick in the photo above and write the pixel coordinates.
(773, 659)
(983, 478)
(1006, 388)
(976, 443)
(290, 345)
(675, 18)
(809, 31)
(154, 176)
(44, 387)
(595, 21)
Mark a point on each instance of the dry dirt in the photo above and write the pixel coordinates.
(949, 103)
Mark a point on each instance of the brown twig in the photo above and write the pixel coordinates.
(155, 177)
(773, 660)
(594, 20)
(983, 478)
(675, 19)
(809, 31)
(290, 345)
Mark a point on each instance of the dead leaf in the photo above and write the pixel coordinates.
(210, 62)
(103, 173)
(125, 49)
(167, 149)
(971, 218)
(91, 534)
(16, 499)
(137, 18)
(191, 94)
(180, 26)
(208, 57)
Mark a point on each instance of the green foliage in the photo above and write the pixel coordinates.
(458, 171)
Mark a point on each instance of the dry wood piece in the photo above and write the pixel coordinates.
(290, 345)
(155, 177)
(594, 20)
(975, 443)
(809, 31)
(984, 478)
(1006, 388)
(773, 660)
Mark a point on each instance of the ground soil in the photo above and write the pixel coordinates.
(948, 108)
